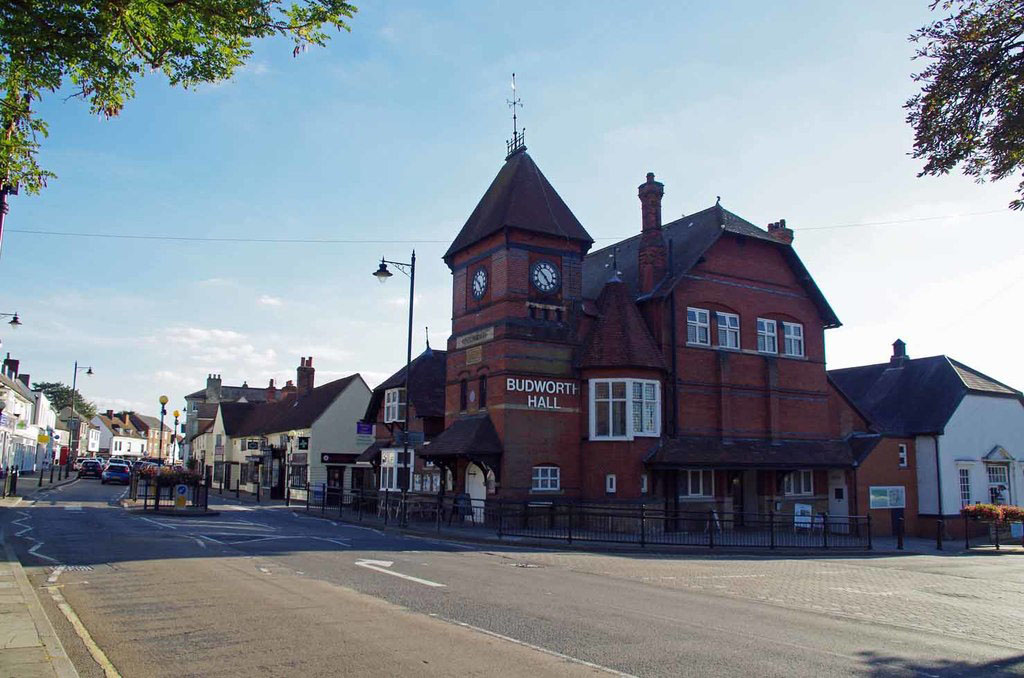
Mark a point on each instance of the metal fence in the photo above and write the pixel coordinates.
(155, 497)
(593, 522)
(991, 533)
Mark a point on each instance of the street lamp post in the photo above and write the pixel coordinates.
(175, 447)
(71, 418)
(163, 412)
(382, 274)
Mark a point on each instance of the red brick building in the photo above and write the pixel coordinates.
(683, 365)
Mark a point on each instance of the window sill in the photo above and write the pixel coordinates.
(617, 439)
(532, 491)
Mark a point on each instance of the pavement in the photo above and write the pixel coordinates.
(272, 591)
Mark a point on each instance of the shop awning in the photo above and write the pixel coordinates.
(697, 451)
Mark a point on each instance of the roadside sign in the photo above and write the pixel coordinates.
(43, 439)
(180, 496)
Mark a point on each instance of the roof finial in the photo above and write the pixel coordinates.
(518, 141)
(427, 331)
(718, 199)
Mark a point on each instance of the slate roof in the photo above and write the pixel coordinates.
(253, 419)
(124, 428)
(917, 398)
(699, 451)
(203, 428)
(620, 337)
(233, 393)
(426, 386)
(690, 237)
(519, 197)
(472, 435)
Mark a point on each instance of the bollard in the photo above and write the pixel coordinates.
(238, 489)
(995, 531)
(824, 530)
(387, 505)
(40, 478)
(967, 535)
(51, 472)
(288, 495)
(899, 534)
(870, 545)
(323, 498)
(500, 516)
(940, 528)
(14, 487)
(771, 529)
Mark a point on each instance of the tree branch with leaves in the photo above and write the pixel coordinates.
(101, 47)
(970, 110)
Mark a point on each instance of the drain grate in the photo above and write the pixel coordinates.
(71, 568)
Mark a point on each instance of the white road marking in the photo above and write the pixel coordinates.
(83, 633)
(383, 565)
(538, 648)
(73, 507)
(199, 541)
(52, 579)
(32, 551)
(157, 522)
(339, 542)
(215, 541)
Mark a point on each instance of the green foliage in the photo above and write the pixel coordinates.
(59, 395)
(970, 111)
(100, 47)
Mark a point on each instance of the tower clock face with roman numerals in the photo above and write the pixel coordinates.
(479, 283)
(545, 277)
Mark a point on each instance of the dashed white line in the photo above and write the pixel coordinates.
(32, 551)
(156, 522)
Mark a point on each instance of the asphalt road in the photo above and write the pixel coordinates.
(272, 591)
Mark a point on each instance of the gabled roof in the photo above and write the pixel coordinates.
(917, 397)
(471, 436)
(426, 386)
(620, 337)
(292, 412)
(690, 237)
(519, 197)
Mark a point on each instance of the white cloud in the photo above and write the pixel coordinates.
(268, 300)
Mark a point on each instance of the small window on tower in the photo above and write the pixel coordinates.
(483, 391)
(463, 396)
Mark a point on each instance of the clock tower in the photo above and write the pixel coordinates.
(513, 400)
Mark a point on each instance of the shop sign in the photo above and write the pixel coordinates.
(364, 433)
(542, 394)
(300, 458)
(329, 458)
(303, 442)
(474, 338)
(252, 444)
(887, 497)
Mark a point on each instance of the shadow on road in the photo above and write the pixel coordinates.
(883, 665)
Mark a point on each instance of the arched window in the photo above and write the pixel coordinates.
(483, 391)
(463, 396)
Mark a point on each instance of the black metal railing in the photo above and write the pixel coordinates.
(570, 522)
(163, 497)
(981, 533)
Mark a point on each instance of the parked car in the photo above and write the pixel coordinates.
(116, 473)
(90, 468)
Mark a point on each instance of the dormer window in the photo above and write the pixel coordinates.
(394, 405)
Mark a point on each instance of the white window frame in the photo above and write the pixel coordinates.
(767, 336)
(700, 475)
(964, 483)
(1004, 470)
(395, 404)
(701, 321)
(546, 478)
(630, 429)
(390, 470)
(610, 483)
(904, 460)
(793, 334)
(728, 325)
(799, 483)
(643, 483)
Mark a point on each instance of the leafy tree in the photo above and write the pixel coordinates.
(970, 110)
(100, 48)
(59, 394)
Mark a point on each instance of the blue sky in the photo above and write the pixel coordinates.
(392, 132)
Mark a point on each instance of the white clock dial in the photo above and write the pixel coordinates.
(544, 276)
(479, 283)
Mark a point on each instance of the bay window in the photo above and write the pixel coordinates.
(621, 409)
(394, 405)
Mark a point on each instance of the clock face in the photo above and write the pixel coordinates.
(479, 283)
(544, 276)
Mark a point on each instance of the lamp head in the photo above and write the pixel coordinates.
(177, 413)
(382, 273)
(15, 322)
(89, 372)
(164, 399)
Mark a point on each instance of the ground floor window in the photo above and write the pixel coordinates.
(998, 483)
(243, 473)
(297, 475)
(799, 484)
(426, 482)
(389, 470)
(546, 478)
(696, 483)
(965, 487)
(218, 471)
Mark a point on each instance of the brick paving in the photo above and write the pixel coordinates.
(972, 596)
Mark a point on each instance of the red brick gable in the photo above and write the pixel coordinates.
(620, 337)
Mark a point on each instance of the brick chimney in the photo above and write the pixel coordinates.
(110, 414)
(271, 392)
(779, 231)
(213, 383)
(25, 380)
(899, 354)
(287, 390)
(11, 366)
(652, 255)
(304, 376)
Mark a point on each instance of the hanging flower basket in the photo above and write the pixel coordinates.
(994, 513)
